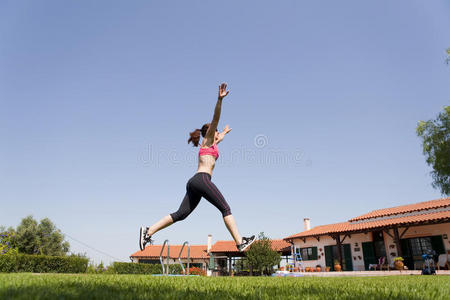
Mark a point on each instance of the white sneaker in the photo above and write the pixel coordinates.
(143, 238)
(246, 242)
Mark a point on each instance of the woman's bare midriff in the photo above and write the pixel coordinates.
(206, 164)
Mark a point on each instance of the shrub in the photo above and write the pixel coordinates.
(261, 255)
(136, 268)
(98, 269)
(42, 264)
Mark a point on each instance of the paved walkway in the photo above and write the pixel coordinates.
(361, 273)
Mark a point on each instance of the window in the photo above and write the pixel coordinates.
(309, 253)
(420, 245)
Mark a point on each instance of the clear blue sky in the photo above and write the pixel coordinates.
(97, 99)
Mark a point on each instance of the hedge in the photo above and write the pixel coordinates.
(42, 264)
(136, 268)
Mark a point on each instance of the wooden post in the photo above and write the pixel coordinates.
(338, 240)
(397, 242)
(229, 266)
(293, 256)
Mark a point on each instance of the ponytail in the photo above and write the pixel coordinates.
(195, 137)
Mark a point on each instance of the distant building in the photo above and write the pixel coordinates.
(224, 255)
(219, 260)
(151, 255)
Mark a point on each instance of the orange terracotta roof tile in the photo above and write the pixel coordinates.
(230, 246)
(153, 251)
(348, 227)
(279, 245)
(433, 204)
(403, 220)
(224, 246)
(321, 230)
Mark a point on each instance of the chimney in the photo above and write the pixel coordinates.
(209, 242)
(307, 224)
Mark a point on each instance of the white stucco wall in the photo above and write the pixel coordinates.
(357, 256)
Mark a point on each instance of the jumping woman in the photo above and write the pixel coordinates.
(200, 185)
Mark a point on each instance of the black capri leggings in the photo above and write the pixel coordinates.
(199, 186)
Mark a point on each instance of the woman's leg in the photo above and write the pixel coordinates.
(232, 228)
(188, 204)
(161, 224)
(214, 196)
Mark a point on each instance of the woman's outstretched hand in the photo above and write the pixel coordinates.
(223, 90)
(227, 129)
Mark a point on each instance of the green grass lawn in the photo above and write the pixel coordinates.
(66, 286)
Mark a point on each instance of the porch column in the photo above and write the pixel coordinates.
(397, 242)
(229, 265)
(338, 242)
(293, 255)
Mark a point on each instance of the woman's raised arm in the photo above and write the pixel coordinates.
(215, 121)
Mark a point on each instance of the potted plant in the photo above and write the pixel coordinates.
(398, 263)
(307, 269)
(327, 269)
(318, 268)
(337, 266)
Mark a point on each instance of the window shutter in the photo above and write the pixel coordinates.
(314, 253)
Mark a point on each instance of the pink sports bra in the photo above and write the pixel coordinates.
(213, 150)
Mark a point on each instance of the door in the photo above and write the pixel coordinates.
(329, 257)
(406, 254)
(368, 254)
(347, 252)
(413, 248)
(331, 254)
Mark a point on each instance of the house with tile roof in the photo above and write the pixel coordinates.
(224, 254)
(199, 256)
(216, 259)
(407, 231)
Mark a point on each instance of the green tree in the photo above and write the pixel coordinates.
(447, 60)
(43, 238)
(435, 136)
(261, 257)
